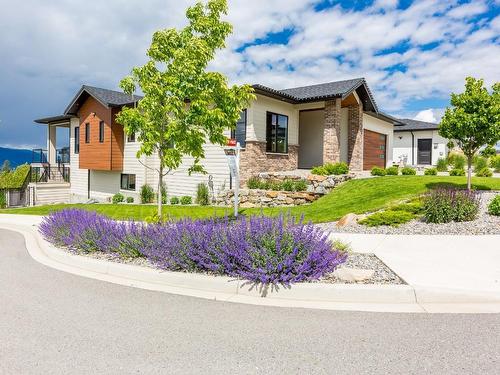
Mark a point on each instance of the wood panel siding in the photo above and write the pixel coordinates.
(374, 147)
(95, 155)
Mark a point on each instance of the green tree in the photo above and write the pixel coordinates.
(473, 120)
(5, 166)
(184, 105)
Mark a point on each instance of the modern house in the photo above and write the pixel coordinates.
(418, 143)
(281, 130)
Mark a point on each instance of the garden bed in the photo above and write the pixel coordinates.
(485, 224)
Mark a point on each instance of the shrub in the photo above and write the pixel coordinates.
(376, 171)
(319, 170)
(331, 169)
(408, 171)
(300, 185)
(446, 205)
(253, 183)
(456, 160)
(391, 218)
(261, 250)
(3, 199)
(392, 171)
(186, 199)
(174, 200)
(118, 198)
(479, 163)
(147, 194)
(494, 206)
(411, 207)
(287, 185)
(163, 194)
(130, 199)
(495, 163)
(442, 165)
(431, 172)
(485, 172)
(457, 172)
(202, 195)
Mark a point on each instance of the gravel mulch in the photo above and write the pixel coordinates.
(484, 224)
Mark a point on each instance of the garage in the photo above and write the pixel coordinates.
(374, 153)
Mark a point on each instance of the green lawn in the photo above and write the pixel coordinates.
(356, 196)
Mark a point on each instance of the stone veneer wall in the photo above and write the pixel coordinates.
(356, 139)
(331, 132)
(254, 160)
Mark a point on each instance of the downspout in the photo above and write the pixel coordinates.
(412, 148)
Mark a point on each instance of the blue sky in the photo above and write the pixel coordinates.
(413, 54)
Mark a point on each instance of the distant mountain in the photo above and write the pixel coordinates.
(15, 156)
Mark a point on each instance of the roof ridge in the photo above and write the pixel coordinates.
(324, 83)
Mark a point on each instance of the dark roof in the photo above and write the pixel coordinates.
(108, 98)
(414, 125)
(54, 119)
(323, 91)
(385, 117)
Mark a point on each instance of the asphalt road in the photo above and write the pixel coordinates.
(57, 323)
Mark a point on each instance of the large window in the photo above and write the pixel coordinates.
(101, 131)
(277, 133)
(87, 132)
(77, 140)
(240, 133)
(127, 182)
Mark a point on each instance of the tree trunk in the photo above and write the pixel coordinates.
(469, 171)
(160, 184)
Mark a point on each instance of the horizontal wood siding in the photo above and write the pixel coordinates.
(117, 142)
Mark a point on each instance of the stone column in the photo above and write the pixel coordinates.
(356, 139)
(331, 132)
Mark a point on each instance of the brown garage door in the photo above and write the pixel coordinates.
(374, 152)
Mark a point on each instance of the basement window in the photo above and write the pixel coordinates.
(127, 182)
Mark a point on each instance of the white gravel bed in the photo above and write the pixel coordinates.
(484, 224)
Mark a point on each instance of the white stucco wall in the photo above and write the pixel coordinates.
(403, 146)
(383, 127)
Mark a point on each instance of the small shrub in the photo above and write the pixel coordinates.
(300, 185)
(431, 172)
(495, 163)
(319, 170)
(392, 171)
(408, 171)
(390, 218)
(331, 169)
(494, 206)
(485, 172)
(376, 171)
(456, 160)
(457, 172)
(118, 198)
(202, 195)
(253, 183)
(186, 199)
(446, 205)
(163, 194)
(411, 207)
(442, 165)
(130, 199)
(3, 199)
(147, 194)
(174, 200)
(479, 163)
(288, 185)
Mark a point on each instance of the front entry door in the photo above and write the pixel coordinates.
(424, 152)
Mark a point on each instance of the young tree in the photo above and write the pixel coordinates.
(5, 166)
(473, 120)
(184, 105)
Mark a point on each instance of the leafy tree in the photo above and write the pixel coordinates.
(473, 120)
(184, 105)
(5, 166)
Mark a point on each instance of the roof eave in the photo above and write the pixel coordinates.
(68, 110)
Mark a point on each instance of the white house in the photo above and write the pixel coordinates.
(281, 130)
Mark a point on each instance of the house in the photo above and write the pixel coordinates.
(418, 143)
(281, 130)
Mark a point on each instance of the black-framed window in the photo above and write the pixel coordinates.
(87, 132)
(127, 182)
(240, 132)
(77, 140)
(101, 131)
(277, 133)
(131, 137)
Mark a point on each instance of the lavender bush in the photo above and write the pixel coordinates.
(446, 205)
(259, 249)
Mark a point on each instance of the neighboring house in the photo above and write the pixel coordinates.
(281, 130)
(418, 143)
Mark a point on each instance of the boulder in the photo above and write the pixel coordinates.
(347, 220)
(353, 274)
(272, 194)
(316, 177)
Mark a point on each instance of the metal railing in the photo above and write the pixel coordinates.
(49, 173)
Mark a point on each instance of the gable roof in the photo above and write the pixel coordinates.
(323, 91)
(414, 125)
(108, 98)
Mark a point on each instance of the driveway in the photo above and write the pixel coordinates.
(57, 323)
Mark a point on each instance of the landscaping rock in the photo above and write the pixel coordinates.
(347, 220)
(353, 274)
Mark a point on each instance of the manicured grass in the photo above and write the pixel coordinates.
(356, 196)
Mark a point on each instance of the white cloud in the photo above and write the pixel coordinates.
(426, 115)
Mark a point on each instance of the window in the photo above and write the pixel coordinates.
(277, 133)
(127, 182)
(101, 131)
(87, 133)
(240, 133)
(131, 137)
(77, 140)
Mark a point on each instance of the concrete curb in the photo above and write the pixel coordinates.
(387, 298)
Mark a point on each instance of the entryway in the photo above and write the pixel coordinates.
(424, 151)
(374, 150)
